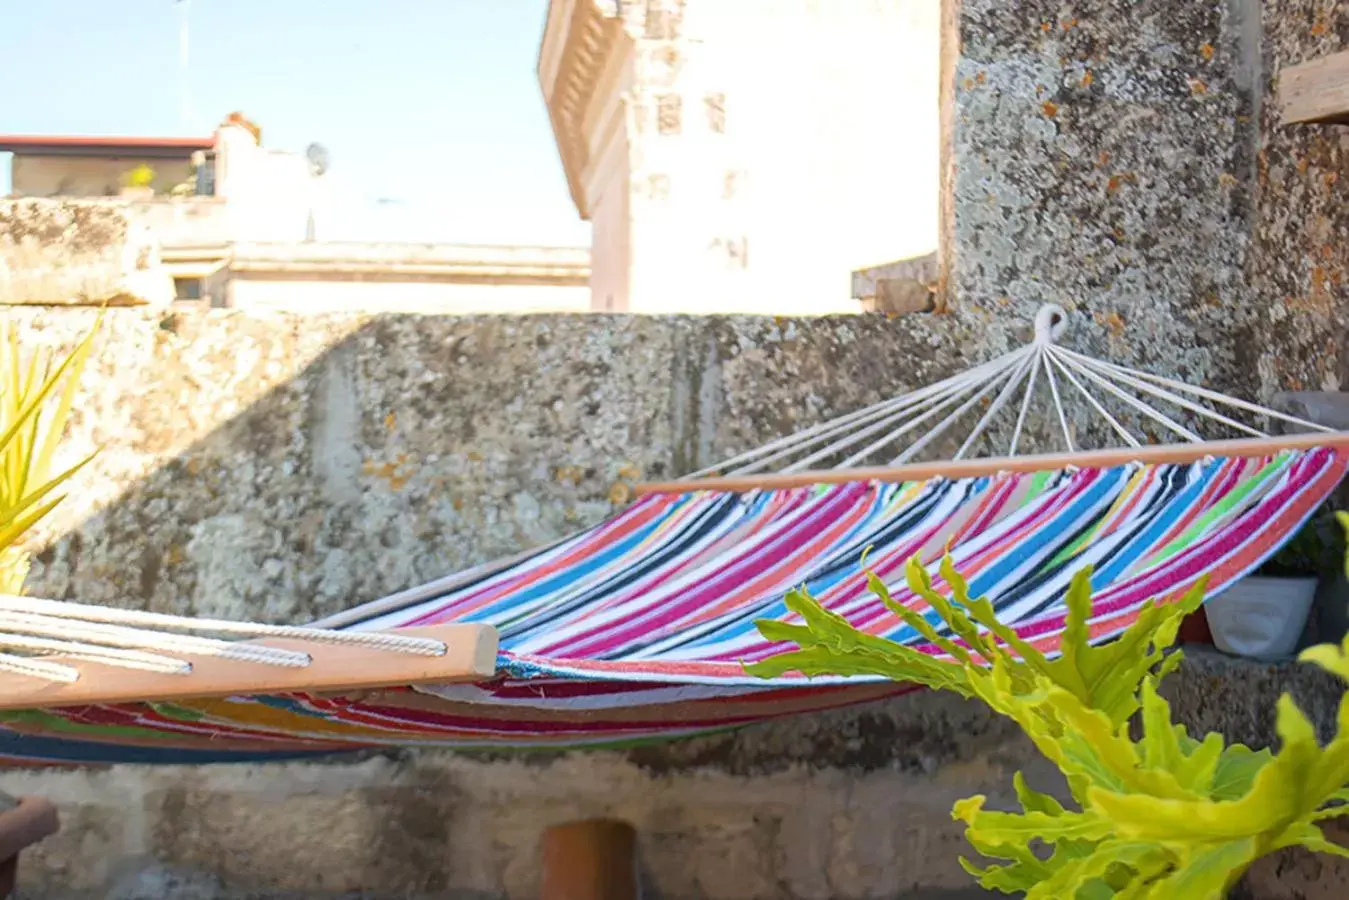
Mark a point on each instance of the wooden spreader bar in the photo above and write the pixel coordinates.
(974, 468)
(470, 655)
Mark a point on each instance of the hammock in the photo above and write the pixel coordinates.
(636, 630)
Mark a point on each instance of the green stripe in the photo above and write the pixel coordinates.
(1238, 495)
(53, 723)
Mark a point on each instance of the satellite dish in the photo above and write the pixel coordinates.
(318, 158)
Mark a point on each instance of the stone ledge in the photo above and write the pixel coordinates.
(71, 253)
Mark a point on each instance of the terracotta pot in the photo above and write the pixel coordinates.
(590, 860)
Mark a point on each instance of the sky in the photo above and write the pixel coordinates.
(430, 109)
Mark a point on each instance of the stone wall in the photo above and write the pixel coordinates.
(289, 466)
(1126, 160)
(1299, 255)
(283, 468)
(1101, 162)
(54, 252)
(286, 467)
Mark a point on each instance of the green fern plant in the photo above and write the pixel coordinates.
(1160, 816)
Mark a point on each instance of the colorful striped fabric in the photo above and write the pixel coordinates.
(637, 629)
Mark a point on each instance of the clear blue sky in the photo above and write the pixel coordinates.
(432, 103)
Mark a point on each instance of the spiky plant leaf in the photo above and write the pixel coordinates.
(36, 399)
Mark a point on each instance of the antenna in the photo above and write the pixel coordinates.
(184, 90)
(318, 159)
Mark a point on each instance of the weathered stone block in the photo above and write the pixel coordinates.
(80, 253)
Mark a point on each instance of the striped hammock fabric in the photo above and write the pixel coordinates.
(637, 629)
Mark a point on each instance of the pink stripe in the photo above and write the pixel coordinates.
(840, 509)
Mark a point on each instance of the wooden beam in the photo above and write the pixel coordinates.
(470, 655)
(974, 468)
(1316, 91)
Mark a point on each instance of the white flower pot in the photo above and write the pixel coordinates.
(1261, 617)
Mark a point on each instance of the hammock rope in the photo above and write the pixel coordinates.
(899, 422)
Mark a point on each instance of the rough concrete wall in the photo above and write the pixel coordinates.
(1101, 157)
(1126, 160)
(287, 467)
(54, 252)
(1300, 252)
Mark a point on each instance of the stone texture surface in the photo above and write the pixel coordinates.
(284, 467)
(1101, 154)
(1299, 256)
(56, 253)
(1126, 161)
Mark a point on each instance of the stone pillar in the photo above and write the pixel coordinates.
(1100, 156)
(689, 238)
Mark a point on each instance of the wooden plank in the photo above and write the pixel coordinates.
(974, 468)
(1316, 91)
(470, 655)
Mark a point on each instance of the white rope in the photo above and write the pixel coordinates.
(1110, 371)
(1058, 408)
(1216, 397)
(1025, 403)
(23, 665)
(888, 413)
(808, 437)
(111, 656)
(998, 404)
(1095, 404)
(1144, 408)
(897, 433)
(851, 438)
(146, 620)
(137, 639)
(934, 433)
(892, 435)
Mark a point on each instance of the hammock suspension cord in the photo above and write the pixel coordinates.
(893, 432)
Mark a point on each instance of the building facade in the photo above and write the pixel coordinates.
(745, 156)
(235, 226)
